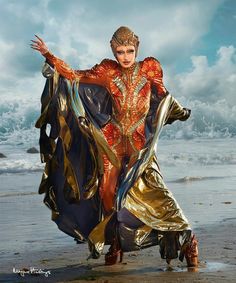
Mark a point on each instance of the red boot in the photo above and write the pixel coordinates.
(114, 252)
(191, 252)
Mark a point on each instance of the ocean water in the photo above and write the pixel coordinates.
(209, 122)
(201, 173)
(18, 115)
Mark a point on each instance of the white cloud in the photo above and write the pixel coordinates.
(167, 29)
(6, 49)
(209, 82)
(79, 32)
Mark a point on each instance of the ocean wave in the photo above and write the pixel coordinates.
(23, 164)
(18, 194)
(208, 120)
(170, 154)
(19, 170)
(17, 120)
(188, 179)
(177, 159)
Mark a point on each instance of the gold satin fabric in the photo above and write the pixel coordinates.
(151, 202)
(97, 236)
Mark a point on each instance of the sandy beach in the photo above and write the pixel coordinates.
(68, 263)
(31, 242)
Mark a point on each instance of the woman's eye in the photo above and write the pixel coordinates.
(129, 51)
(120, 52)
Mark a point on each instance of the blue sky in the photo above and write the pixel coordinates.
(221, 31)
(194, 40)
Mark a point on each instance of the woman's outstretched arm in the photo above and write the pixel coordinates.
(95, 75)
(62, 68)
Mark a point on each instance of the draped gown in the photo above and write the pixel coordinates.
(101, 165)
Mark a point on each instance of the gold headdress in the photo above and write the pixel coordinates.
(124, 36)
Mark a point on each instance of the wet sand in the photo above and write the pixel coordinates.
(29, 239)
(217, 262)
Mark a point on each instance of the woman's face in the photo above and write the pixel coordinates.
(125, 55)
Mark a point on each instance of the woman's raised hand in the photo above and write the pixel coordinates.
(39, 45)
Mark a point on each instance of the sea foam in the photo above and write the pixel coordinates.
(208, 120)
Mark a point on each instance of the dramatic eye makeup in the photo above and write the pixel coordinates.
(120, 52)
(130, 51)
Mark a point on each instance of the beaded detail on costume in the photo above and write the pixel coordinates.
(129, 102)
(130, 89)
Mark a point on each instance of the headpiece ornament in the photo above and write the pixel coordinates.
(124, 36)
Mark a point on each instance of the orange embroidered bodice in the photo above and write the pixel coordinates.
(130, 90)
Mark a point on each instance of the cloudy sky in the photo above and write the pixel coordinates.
(194, 40)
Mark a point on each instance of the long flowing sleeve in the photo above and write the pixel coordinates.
(95, 75)
(177, 112)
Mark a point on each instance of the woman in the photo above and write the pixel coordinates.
(101, 180)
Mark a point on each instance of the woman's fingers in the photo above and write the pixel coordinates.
(35, 41)
(40, 39)
(34, 46)
(39, 45)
